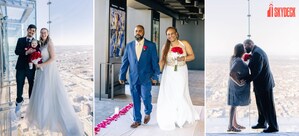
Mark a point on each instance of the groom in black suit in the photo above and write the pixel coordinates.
(263, 83)
(22, 66)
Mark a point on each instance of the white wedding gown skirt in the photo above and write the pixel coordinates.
(49, 106)
(174, 104)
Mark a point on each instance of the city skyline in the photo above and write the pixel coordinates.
(227, 24)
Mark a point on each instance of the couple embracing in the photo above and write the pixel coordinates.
(174, 105)
(258, 71)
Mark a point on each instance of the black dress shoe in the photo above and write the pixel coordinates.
(270, 130)
(258, 126)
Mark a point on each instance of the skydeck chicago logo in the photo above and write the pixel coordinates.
(281, 11)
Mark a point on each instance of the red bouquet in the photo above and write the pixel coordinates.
(246, 56)
(177, 52)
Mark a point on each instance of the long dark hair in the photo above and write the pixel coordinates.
(167, 45)
(238, 51)
(43, 43)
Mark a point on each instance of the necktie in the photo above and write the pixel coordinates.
(28, 42)
(139, 49)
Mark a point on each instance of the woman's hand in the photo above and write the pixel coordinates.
(38, 66)
(234, 77)
(183, 58)
(242, 82)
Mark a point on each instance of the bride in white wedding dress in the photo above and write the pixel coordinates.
(49, 106)
(174, 104)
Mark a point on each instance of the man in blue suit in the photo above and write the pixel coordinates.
(141, 57)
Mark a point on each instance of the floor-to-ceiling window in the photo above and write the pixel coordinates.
(71, 28)
(15, 17)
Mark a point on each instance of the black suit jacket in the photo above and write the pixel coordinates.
(260, 71)
(22, 62)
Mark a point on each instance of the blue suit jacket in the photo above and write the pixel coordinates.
(146, 68)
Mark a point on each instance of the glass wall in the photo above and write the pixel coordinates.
(15, 17)
(71, 29)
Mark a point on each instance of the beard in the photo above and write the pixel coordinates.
(248, 50)
(138, 37)
(30, 34)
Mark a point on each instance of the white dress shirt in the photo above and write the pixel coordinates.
(138, 48)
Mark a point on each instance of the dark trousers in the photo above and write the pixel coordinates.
(266, 108)
(20, 79)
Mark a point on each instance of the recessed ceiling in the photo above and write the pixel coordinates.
(136, 5)
(191, 9)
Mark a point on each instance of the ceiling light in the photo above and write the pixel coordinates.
(196, 3)
(199, 11)
(187, 1)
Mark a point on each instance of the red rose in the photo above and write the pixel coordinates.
(145, 47)
(178, 50)
(246, 56)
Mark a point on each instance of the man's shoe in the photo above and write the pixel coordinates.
(270, 130)
(147, 119)
(135, 124)
(18, 107)
(258, 126)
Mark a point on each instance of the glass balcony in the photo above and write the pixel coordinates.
(74, 57)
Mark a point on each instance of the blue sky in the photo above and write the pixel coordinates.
(226, 25)
(72, 21)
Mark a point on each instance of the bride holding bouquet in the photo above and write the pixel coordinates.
(174, 104)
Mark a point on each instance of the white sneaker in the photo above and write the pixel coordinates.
(18, 107)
